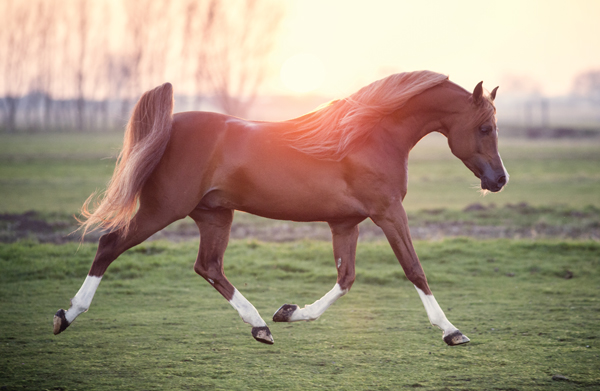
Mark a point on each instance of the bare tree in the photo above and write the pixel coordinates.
(148, 33)
(239, 44)
(65, 54)
(17, 22)
(224, 50)
(159, 44)
(81, 27)
(137, 27)
(46, 33)
(197, 28)
(99, 76)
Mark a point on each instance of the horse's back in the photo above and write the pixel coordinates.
(198, 123)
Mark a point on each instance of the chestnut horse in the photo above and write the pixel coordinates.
(342, 163)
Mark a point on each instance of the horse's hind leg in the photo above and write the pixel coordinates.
(110, 246)
(215, 226)
(345, 237)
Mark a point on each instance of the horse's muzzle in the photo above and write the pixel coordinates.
(494, 183)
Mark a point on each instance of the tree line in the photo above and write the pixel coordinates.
(81, 64)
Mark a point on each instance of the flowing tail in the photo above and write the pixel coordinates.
(146, 138)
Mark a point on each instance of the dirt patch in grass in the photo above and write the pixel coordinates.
(478, 221)
(31, 225)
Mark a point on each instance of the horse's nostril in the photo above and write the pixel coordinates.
(502, 180)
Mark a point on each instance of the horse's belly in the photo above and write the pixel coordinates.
(301, 209)
(291, 204)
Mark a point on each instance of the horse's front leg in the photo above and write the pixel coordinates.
(215, 226)
(394, 224)
(345, 237)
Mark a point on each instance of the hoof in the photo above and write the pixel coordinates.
(456, 338)
(284, 314)
(262, 334)
(60, 322)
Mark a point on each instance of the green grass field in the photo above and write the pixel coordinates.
(531, 307)
(155, 325)
(56, 173)
(542, 172)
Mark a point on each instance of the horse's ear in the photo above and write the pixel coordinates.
(478, 93)
(493, 93)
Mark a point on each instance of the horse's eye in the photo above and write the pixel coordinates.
(486, 129)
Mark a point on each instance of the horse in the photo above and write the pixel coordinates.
(342, 163)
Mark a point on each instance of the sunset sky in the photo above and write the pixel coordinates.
(323, 47)
(545, 43)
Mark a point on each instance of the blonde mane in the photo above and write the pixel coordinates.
(331, 130)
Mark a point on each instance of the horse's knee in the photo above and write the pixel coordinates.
(216, 278)
(209, 273)
(201, 271)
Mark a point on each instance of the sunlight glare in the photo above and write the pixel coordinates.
(303, 73)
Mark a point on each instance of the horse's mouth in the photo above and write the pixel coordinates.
(491, 179)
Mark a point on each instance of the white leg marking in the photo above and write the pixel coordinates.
(339, 262)
(316, 309)
(246, 310)
(435, 313)
(82, 300)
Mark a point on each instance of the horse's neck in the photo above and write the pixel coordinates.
(424, 113)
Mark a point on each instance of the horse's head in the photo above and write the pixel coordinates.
(473, 138)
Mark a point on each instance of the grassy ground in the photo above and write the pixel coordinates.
(530, 307)
(56, 173)
(531, 310)
(542, 173)
(554, 191)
